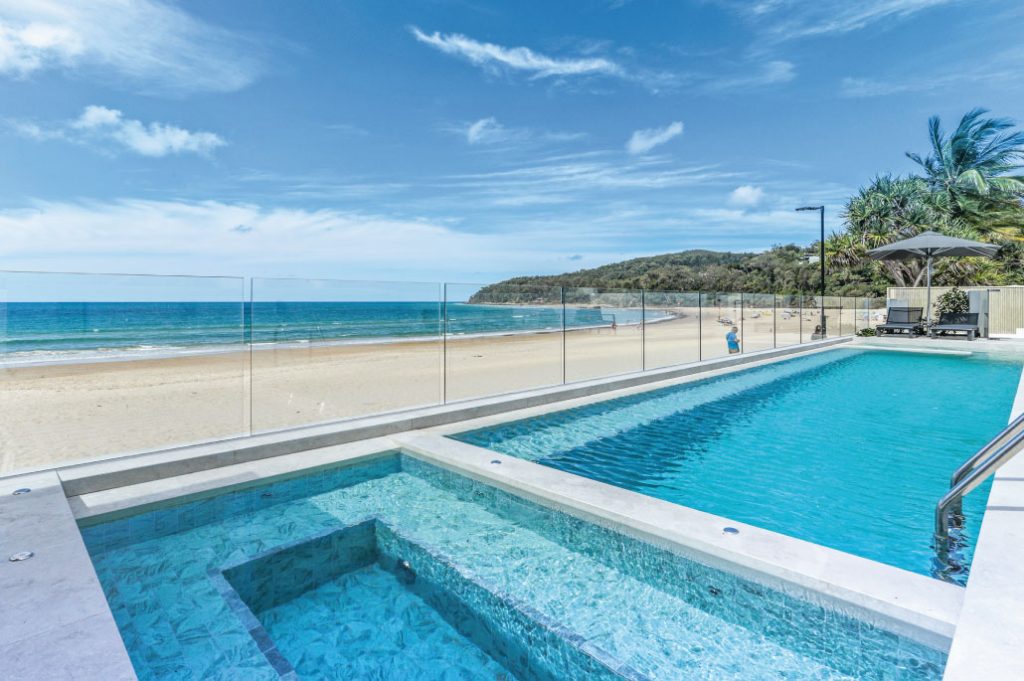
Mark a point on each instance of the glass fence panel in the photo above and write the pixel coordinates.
(604, 333)
(787, 320)
(671, 328)
(758, 322)
(324, 350)
(832, 310)
(96, 365)
(719, 313)
(811, 318)
(848, 316)
(501, 339)
(875, 312)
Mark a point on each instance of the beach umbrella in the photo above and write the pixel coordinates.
(932, 245)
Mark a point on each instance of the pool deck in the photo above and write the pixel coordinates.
(57, 623)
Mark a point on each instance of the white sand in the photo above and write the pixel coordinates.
(58, 413)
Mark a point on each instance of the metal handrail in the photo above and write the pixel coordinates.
(1011, 429)
(972, 479)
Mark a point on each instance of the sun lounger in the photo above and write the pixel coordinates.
(956, 322)
(901, 319)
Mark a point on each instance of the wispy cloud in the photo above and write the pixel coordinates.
(490, 131)
(870, 87)
(490, 55)
(746, 196)
(101, 125)
(153, 46)
(588, 180)
(486, 130)
(769, 73)
(999, 69)
(783, 20)
(643, 141)
(213, 237)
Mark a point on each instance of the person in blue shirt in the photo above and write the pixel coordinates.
(733, 341)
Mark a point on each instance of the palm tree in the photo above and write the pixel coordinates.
(974, 167)
(887, 210)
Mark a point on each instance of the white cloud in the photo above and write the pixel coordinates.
(490, 131)
(211, 237)
(747, 196)
(643, 141)
(218, 238)
(99, 124)
(152, 45)
(31, 46)
(485, 130)
(516, 58)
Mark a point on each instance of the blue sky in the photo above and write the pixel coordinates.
(464, 140)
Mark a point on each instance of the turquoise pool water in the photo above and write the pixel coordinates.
(395, 569)
(847, 448)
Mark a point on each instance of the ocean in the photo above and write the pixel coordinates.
(33, 333)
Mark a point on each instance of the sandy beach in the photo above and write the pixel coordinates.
(60, 413)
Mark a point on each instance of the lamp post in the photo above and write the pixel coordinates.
(821, 261)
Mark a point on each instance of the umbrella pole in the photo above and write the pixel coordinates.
(928, 310)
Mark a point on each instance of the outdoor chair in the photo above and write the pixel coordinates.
(901, 319)
(956, 322)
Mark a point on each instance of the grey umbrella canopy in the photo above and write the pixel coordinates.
(932, 245)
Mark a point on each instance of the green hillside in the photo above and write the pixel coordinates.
(783, 269)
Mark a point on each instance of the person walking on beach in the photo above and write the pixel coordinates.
(733, 341)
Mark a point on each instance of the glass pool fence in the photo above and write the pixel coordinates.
(94, 365)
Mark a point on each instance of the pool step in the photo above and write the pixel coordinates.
(509, 630)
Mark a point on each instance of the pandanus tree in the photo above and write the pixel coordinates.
(887, 210)
(977, 167)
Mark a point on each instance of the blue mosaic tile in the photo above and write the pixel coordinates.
(638, 609)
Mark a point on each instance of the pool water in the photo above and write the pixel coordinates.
(847, 448)
(496, 587)
(370, 626)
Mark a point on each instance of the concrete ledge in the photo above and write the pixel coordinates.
(85, 478)
(913, 349)
(909, 604)
(111, 504)
(921, 343)
(56, 623)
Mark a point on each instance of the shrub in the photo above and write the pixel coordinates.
(953, 300)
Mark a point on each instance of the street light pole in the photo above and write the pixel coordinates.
(821, 261)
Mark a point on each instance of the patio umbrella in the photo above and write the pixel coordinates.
(932, 245)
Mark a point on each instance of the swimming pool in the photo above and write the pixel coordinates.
(396, 569)
(846, 448)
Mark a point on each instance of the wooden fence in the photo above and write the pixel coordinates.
(1005, 303)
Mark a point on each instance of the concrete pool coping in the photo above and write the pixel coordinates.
(56, 622)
